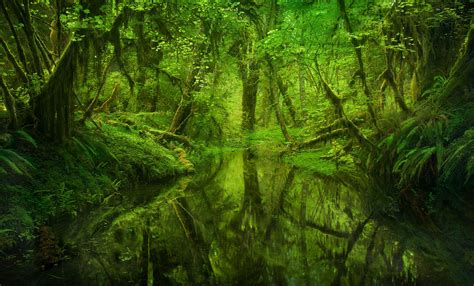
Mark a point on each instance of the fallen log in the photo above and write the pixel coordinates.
(323, 138)
(165, 135)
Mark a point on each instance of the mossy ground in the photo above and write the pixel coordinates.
(66, 179)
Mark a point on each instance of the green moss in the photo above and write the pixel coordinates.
(139, 154)
(312, 161)
(68, 178)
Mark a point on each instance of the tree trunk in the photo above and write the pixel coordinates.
(250, 77)
(287, 100)
(389, 78)
(23, 15)
(19, 48)
(352, 129)
(19, 70)
(10, 105)
(276, 101)
(183, 112)
(302, 87)
(54, 105)
(358, 52)
(460, 87)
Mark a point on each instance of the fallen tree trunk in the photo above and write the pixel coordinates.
(166, 135)
(323, 138)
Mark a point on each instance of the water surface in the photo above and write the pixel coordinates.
(245, 220)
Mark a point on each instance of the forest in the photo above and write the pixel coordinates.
(226, 142)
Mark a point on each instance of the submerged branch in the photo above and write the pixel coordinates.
(324, 229)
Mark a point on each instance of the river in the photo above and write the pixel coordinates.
(247, 220)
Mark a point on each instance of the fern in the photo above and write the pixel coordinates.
(413, 164)
(27, 137)
(14, 162)
(87, 150)
(460, 159)
(437, 88)
(94, 150)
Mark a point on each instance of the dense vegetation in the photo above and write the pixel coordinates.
(98, 96)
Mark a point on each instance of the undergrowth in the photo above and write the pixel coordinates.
(42, 181)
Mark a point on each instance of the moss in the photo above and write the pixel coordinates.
(312, 161)
(139, 154)
(67, 179)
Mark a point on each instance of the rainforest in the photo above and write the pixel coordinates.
(225, 142)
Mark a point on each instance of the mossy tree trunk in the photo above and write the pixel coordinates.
(459, 89)
(250, 76)
(10, 104)
(283, 88)
(183, 112)
(276, 100)
(54, 106)
(358, 51)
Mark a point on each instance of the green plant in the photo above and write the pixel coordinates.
(12, 162)
(437, 88)
(417, 149)
(458, 165)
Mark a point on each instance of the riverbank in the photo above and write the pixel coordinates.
(43, 181)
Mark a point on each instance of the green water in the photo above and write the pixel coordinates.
(247, 220)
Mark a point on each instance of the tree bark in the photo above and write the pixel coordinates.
(23, 15)
(10, 105)
(250, 78)
(276, 102)
(460, 86)
(19, 48)
(287, 100)
(19, 70)
(54, 105)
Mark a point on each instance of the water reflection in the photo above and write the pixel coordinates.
(244, 221)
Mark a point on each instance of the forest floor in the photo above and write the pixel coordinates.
(45, 181)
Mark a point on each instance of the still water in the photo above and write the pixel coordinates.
(246, 220)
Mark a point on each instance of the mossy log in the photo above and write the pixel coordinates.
(323, 138)
(165, 135)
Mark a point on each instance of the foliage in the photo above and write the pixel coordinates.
(109, 93)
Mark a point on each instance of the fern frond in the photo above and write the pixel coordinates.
(27, 137)
(12, 165)
(18, 157)
(411, 165)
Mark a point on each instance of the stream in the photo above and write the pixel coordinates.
(248, 220)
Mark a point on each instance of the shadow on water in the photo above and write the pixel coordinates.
(244, 221)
